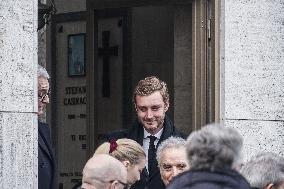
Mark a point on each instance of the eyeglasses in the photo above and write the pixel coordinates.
(43, 94)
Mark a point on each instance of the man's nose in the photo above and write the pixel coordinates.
(46, 99)
(175, 171)
(149, 114)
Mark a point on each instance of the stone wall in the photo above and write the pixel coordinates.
(254, 79)
(18, 96)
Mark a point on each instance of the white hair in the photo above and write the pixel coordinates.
(41, 72)
(263, 169)
(213, 146)
(171, 142)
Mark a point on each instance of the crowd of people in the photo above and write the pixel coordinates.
(210, 158)
(153, 154)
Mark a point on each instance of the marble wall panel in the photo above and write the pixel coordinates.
(18, 150)
(18, 52)
(254, 48)
(18, 94)
(259, 136)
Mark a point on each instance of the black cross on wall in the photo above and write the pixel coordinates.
(106, 52)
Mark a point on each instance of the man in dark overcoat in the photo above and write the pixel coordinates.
(46, 162)
(152, 126)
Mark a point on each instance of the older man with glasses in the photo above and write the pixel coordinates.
(46, 162)
(103, 171)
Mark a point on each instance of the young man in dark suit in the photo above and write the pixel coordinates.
(46, 162)
(152, 126)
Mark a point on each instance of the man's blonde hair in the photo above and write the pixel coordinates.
(126, 149)
(148, 86)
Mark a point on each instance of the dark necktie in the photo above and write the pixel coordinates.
(151, 154)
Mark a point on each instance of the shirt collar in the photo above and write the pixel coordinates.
(157, 135)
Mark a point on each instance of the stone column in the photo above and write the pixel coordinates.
(18, 94)
(254, 79)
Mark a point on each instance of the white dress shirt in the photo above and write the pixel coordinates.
(146, 142)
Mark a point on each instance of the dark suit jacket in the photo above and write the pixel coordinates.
(46, 162)
(137, 133)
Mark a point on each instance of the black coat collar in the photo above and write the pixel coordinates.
(44, 141)
(137, 133)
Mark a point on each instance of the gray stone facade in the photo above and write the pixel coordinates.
(253, 73)
(18, 94)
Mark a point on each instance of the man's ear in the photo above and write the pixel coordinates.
(126, 163)
(113, 185)
(269, 186)
(167, 105)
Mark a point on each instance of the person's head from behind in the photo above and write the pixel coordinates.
(104, 172)
(43, 89)
(265, 171)
(151, 101)
(129, 152)
(172, 159)
(213, 146)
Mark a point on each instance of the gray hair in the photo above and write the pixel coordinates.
(263, 169)
(213, 146)
(41, 72)
(171, 142)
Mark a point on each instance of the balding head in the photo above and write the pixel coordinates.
(102, 172)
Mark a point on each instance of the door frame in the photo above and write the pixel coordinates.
(205, 58)
(206, 62)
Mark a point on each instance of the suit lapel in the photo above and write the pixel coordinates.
(168, 130)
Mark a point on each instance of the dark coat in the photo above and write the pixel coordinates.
(137, 133)
(224, 178)
(46, 162)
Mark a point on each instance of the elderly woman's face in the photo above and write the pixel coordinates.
(173, 162)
